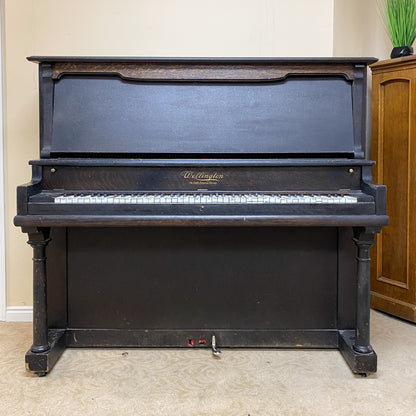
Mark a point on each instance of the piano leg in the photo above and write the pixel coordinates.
(363, 240)
(47, 345)
(355, 345)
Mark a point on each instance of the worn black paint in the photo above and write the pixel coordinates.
(244, 278)
(146, 118)
(255, 276)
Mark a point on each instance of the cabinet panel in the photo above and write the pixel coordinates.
(393, 148)
(395, 173)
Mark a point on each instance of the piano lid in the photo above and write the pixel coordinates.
(96, 107)
(202, 60)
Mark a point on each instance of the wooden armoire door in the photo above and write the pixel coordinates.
(393, 281)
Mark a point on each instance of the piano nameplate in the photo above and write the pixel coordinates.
(202, 178)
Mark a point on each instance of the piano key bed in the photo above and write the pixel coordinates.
(203, 198)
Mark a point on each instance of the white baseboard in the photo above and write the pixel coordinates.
(19, 314)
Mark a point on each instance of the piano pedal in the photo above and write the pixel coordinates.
(216, 352)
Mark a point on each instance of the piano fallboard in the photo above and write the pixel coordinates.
(145, 175)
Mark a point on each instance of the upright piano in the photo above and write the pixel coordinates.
(201, 203)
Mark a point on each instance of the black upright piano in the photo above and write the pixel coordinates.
(201, 203)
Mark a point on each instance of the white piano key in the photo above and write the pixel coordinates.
(239, 199)
(213, 198)
(206, 199)
(351, 199)
(197, 199)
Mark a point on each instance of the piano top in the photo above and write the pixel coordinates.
(201, 162)
(251, 60)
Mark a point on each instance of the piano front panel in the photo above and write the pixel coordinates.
(202, 278)
(288, 116)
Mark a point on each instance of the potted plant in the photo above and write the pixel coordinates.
(399, 18)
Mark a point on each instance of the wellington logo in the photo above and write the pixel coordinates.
(202, 178)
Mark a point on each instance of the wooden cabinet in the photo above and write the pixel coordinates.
(393, 281)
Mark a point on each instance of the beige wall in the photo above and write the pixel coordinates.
(147, 28)
(358, 29)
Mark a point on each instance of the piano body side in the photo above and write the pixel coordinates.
(378, 192)
(24, 192)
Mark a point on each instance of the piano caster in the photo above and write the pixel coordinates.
(41, 374)
(216, 352)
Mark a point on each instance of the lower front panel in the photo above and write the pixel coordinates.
(189, 282)
(202, 338)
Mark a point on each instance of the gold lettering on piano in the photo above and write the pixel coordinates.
(202, 178)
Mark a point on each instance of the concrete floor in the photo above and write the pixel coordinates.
(191, 382)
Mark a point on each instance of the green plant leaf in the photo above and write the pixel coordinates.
(399, 18)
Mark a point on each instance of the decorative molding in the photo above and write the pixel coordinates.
(19, 314)
(391, 65)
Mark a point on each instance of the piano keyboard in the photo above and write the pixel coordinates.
(201, 199)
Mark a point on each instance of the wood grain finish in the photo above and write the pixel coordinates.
(199, 72)
(394, 149)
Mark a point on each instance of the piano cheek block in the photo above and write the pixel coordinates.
(201, 203)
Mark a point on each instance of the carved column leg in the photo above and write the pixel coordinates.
(364, 239)
(38, 240)
(354, 344)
